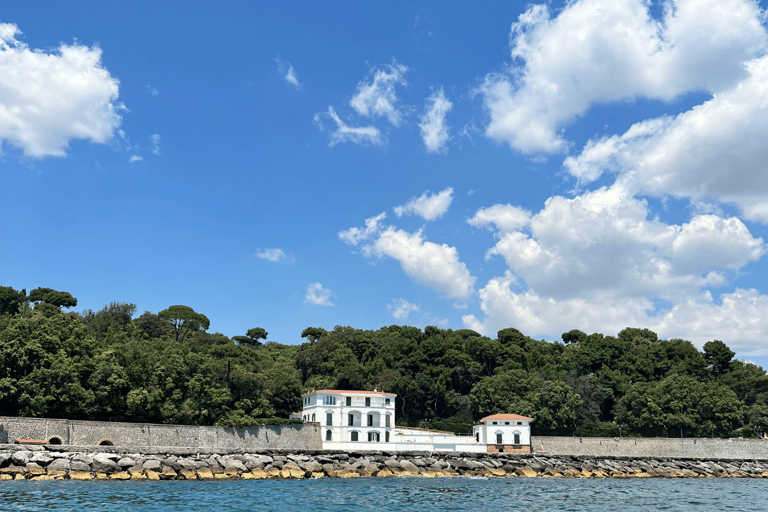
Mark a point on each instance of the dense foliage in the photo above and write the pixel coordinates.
(166, 368)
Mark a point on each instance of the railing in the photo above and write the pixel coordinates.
(363, 424)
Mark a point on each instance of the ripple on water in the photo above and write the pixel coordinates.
(391, 494)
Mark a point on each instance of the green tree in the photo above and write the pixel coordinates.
(717, 354)
(11, 300)
(52, 297)
(252, 337)
(184, 320)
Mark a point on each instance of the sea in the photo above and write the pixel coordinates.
(411, 494)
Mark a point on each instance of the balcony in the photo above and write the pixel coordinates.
(373, 424)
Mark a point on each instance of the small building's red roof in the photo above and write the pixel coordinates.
(346, 391)
(506, 417)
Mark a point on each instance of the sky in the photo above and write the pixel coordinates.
(592, 165)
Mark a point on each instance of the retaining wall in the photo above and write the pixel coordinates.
(651, 447)
(91, 433)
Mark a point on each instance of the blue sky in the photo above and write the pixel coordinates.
(594, 165)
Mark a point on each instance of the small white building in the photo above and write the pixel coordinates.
(510, 433)
(351, 417)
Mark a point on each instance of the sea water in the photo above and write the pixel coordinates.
(395, 494)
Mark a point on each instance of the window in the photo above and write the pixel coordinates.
(494, 422)
(498, 439)
(328, 435)
(386, 421)
(386, 401)
(477, 437)
(329, 419)
(517, 437)
(506, 423)
(329, 400)
(373, 437)
(313, 416)
(386, 437)
(519, 422)
(353, 436)
(367, 401)
(349, 401)
(351, 420)
(370, 420)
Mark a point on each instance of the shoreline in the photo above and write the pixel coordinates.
(106, 463)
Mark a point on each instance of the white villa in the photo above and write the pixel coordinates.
(365, 420)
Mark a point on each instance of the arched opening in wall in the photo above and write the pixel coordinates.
(55, 440)
(106, 442)
(328, 435)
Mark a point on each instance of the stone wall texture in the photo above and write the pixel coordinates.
(91, 433)
(651, 447)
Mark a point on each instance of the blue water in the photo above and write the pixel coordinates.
(396, 494)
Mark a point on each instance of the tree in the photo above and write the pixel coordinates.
(719, 356)
(11, 300)
(252, 337)
(184, 319)
(313, 333)
(52, 297)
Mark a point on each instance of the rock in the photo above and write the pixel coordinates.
(409, 466)
(311, 465)
(392, 463)
(126, 462)
(152, 464)
(80, 475)
(21, 458)
(42, 458)
(235, 464)
(78, 465)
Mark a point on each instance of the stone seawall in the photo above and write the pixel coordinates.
(89, 433)
(111, 463)
(651, 447)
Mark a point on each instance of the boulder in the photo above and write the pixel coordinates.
(152, 464)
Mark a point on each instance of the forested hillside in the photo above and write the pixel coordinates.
(166, 367)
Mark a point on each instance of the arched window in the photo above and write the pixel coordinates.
(386, 437)
(387, 421)
(373, 437)
(313, 416)
(354, 435)
(517, 437)
(328, 435)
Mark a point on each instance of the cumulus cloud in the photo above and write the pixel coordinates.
(346, 133)
(434, 131)
(434, 265)
(355, 235)
(715, 151)
(318, 295)
(48, 99)
(600, 262)
(428, 206)
(135, 158)
(274, 255)
(401, 308)
(377, 97)
(598, 51)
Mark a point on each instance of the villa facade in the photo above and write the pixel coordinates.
(365, 420)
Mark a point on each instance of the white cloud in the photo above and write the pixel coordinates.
(505, 217)
(48, 99)
(601, 51)
(434, 131)
(715, 151)
(154, 143)
(600, 262)
(355, 235)
(318, 295)
(378, 98)
(290, 77)
(135, 158)
(434, 265)
(274, 255)
(344, 132)
(401, 308)
(289, 74)
(429, 206)
(151, 90)
(740, 319)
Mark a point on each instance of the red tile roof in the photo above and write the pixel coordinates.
(346, 391)
(506, 417)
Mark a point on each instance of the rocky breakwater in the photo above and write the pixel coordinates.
(49, 463)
